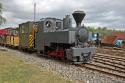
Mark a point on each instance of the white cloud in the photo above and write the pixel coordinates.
(98, 12)
(24, 5)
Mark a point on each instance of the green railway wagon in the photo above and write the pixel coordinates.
(26, 35)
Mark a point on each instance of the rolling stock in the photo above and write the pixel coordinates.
(54, 38)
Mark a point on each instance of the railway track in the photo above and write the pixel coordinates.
(105, 70)
(107, 56)
(111, 63)
(111, 51)
(114, 49)
(107, 64)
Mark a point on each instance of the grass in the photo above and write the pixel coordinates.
(15, 70)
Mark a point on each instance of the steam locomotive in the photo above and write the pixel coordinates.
(56, 38)
(70, 43)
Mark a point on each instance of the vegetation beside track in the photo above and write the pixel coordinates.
(15, 70)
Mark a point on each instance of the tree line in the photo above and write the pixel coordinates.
(103, 30)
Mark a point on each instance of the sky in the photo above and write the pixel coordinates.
(104, 13)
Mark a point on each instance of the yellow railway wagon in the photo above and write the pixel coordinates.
(16, 41)
(8, 36)
(14, 37)
(8, 40)
(1, 41)
(11, 40)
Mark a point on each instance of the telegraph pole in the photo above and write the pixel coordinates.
(34, 20)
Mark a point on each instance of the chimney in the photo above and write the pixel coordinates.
(78, 16)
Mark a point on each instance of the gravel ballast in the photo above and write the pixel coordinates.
(72, 72)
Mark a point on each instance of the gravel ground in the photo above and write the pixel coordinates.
(81, 75)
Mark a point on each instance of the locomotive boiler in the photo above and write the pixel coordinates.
(54, 40)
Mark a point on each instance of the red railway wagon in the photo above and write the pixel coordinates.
(108, 40)
(3, 33)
